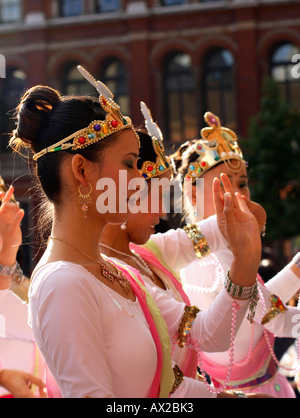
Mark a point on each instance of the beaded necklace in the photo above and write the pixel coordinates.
(134, 256)
(111, 276)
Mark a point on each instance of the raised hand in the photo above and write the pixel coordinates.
(241, 230)
(10, 228)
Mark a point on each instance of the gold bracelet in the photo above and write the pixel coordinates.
(179, 378)
(195, 234)
(189, 316)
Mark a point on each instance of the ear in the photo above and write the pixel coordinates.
(79, 169)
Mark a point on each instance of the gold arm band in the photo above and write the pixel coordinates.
(195, 234)
(179, 378)
(189, 316)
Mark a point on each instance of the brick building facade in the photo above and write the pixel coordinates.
(182, 57)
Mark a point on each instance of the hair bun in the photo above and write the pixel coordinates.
(31, 115)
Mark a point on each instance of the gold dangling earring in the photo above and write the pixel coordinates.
(85, 199)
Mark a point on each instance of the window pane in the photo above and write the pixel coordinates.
(74, 84)
(114, 75)
(108, 5)
(10, 10)
(71, 7)
(282, 72)
(179, 84)
(219, 86)
(284, 53)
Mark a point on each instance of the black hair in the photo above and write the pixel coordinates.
(147, 152)
(43, 118)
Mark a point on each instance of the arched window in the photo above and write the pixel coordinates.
(282, 71)
(179, 96)
(73, 84)
(70, 7)
(13, 87)
(219, 86)
(114, 75)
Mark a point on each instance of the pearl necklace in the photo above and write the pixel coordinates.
(136, 257)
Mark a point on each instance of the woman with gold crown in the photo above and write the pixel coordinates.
(255, 364)
(88, 311)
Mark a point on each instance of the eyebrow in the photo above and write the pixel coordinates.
(133, 154)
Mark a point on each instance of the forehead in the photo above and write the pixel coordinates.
(125, 143)
(222, 168)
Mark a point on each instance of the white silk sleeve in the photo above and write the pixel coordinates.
(211, 328)
(178, 250)
(285, 284)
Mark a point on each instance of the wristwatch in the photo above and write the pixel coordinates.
(15, 271)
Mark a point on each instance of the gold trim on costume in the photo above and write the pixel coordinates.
(277, 307)
(189, 316)
(195, 234)
(179, 378)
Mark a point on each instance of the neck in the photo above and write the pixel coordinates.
(82, 233)
(116, 239)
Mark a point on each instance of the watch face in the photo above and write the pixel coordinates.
(4, 189)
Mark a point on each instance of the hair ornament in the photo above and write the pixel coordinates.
(218, 145)
(162, 164)
(98, 129)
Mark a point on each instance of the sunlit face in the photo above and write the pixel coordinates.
(121, 155)
(141, 226)
(239, 181)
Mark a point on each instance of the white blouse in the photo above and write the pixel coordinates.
(98, 344)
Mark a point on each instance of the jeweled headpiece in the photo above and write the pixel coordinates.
(161, 165)
(218, 145)
(98, 129)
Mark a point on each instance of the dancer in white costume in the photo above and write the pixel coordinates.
(255, 367)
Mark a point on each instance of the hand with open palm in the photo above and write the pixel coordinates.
(240, 229)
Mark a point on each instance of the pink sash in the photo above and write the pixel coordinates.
(152, 259)
(189, 364)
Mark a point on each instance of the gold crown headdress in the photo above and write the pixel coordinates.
(98, 129)
(218, 145)
(161, 165)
